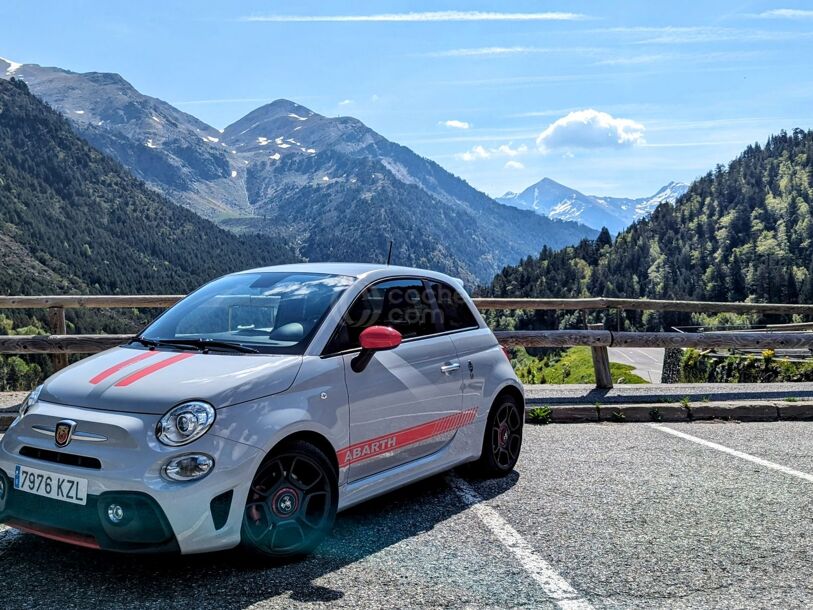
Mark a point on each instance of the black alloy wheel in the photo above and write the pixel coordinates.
(292, 502)
(502, 440)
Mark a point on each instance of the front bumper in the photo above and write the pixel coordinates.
(193, 517)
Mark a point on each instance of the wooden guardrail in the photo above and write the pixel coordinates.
(59, 344)
(644, 305)
(598, 303)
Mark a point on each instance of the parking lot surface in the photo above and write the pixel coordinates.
(595, 515)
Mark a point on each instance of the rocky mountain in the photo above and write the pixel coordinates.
(331, 186)
(554, 200)
(73, 220)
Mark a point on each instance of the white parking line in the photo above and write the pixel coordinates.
(554, 586)
(735, 453)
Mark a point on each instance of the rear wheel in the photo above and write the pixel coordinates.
(292, 502)
(502, 440)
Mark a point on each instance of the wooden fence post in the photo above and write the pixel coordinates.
(601, 362)
(57, 326)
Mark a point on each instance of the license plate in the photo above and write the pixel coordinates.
(51, 485)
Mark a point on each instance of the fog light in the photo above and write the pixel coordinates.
(115, 513)
(188, 467)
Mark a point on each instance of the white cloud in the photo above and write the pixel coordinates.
(481, 152)
(346, 102)
(787, 13)
(514, 165)
(590, 129)
(478, 152)
(456, 124)
(487, 52)
(505, 149)
(672, 35)
(424, 17)
(685, 58)
(508, 51)
(374, 98)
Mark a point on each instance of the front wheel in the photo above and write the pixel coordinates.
(502, 439)
(292, 502)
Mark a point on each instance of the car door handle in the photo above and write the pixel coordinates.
(449, 367)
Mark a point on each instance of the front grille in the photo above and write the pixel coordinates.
(69, 459)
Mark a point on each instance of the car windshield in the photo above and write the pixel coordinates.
(270, 312)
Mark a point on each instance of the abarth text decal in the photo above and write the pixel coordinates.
(397, 440)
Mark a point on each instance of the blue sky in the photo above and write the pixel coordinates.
(612, 98)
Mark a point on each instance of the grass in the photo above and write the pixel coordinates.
(576, 366)
(539, 415)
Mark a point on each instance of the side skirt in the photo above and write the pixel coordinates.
(380, 483)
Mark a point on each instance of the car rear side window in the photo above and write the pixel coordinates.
(404, 304)
(455, 313)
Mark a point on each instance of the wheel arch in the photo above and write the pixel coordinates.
(509, 389)
(317, 439)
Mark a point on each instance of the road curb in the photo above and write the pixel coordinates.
(742, 411)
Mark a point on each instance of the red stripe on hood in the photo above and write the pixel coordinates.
(152, 369)
(121, 365)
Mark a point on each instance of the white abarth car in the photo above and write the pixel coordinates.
(259, 406)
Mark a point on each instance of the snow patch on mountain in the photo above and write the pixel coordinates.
(13, 66)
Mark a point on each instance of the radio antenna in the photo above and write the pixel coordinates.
(389, 254)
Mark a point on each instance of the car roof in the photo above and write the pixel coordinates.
(357, 270)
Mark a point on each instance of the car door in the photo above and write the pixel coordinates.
(472, 343)
(406, 403)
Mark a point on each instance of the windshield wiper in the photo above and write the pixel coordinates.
(204, 344)
(143, 341)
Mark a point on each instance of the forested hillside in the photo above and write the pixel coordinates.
(742, 232)
(72, 220)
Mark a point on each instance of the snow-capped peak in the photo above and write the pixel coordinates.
(13, 66)
(549, 198)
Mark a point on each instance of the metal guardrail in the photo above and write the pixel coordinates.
(59, 344)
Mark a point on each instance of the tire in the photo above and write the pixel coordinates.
(502, 439)
(291, 505)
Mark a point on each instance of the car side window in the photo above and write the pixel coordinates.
(404, 304)
(455, 313)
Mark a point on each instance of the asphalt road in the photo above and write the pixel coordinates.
(648, 361)
(595, 515)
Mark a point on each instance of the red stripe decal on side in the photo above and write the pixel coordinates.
(402, 438)
(121, 365)
(130, 379)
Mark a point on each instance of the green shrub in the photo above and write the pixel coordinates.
(699, 368)
(540, 415)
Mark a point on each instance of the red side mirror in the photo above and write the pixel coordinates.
(377, 338)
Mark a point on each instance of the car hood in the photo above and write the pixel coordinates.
(151, 381)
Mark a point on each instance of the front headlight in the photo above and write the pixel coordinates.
(185, 423)
(30, 401)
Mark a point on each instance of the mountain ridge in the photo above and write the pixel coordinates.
(296, 175)
(555, 200)
(73, 220)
